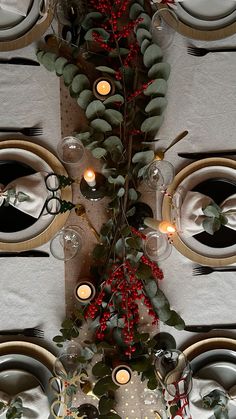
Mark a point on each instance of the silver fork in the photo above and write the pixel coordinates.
(206, 270)
(28, 131)
(32, 332)
(200, 52)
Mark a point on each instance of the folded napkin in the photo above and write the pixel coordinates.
(34, 401)
(208, 390)
(192, 216)
(27, 194)
(19, 7)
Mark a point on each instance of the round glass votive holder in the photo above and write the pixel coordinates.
(121, 375)
(157, 246)
(162, 32)
(84, 291)
(70, 150)
(65, 244)
(159, 175)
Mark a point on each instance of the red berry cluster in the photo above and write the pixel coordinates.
(138, 92)
(126, 290)
(156, 271)
(101, 42)
(134, 49)
(138, 233)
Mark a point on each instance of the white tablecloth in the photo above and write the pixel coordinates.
(32, 289)
(202, 99)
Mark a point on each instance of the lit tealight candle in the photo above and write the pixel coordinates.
(90, 178)
(121, 375)
(166, 227)
(103, 87)
(84, 291)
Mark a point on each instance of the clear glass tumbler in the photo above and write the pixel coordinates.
(164, 25)
(65, 244)
(70, 150)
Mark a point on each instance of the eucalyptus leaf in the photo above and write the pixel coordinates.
(157, 88)
(69, 72)
(152, 55)
(151, 288)
(105, 69)
(159, 70)
(83, 135)
(95, 109)
(142, 34)
(113, 143)
(156, 105)
(113, 117)
(89, 35)
(106, 404)
(133, 196)
(101, 125)
(104, 385)
(175, 320)
(99, 152)
(114, 99)
(164, 313)
(100, 369)
(118, 51)
(211, 225)
(60, 63)
(146, 21)
(85, 97)
(88, 21)
(118, 180)
(212, 211)
(152, 124)
(121, 192)
(135, 10)
(39, 55)
(79, 83)
(48, 60)
(144, 157)
(144, 45)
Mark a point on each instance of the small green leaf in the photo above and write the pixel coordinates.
(152, 124)
(106, 404)
(104, 385)
(100, 369)
(105, 69)
(101, 125)
(99, 152)
(118, 180)
(89, 35)
(121, 192)
(144, 272)
(88, 21)
(60, 64)
(211, 225)
(133, 196)
(157, 88)
(151, 288)
(176, 321)
(159, 70)
(85, 97)
(212, 211)
(95, 109)
(146, 21)
(152, 55)
(48, 60)
(114, 99)
(156, 106)
(69, 72)
(144, 157)
(79, 83)
(144, 45)
(113, 143)
(135, 10)
(142, 34)
(113, 117)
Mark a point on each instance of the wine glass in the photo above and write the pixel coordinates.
(70, 150)
(159, 175)
(174, 373)
(66, 243)
(162, 32)
(157, 246)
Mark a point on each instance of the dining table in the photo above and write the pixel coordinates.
(39, 292)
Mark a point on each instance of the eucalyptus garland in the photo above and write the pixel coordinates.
(117, 45)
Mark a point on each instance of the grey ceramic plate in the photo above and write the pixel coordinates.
(32, 366)
(17, 30)
(212, 356)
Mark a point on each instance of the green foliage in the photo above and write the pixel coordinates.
(214, 219)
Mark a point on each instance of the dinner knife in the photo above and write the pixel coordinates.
(27, 253)
(205, 154)
(19, 61)
(209, 327)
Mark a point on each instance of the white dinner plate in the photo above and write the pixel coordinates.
(210, 9)
(38, 164)
(15, 29)
(200, 14)
(14, 381)
(32, 359)
(188, 184)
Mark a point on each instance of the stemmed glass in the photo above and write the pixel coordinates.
(162, 32)
(174, 373)
(66, 243)
(159, 175)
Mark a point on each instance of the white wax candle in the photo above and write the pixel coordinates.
(166, 227)
(84, 291)
(103, 87)
(90, 178)
(122, 376)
